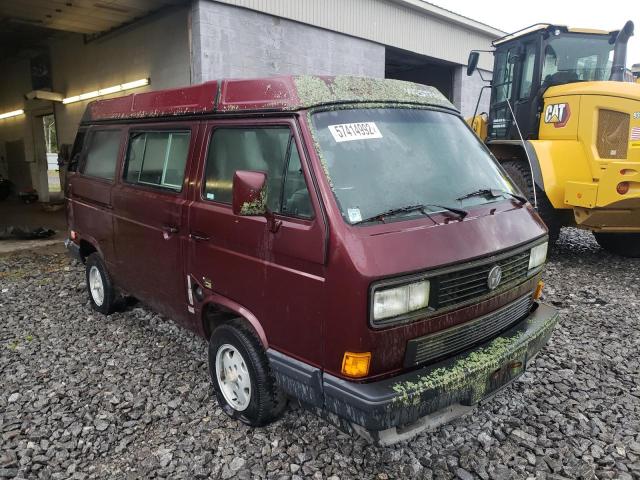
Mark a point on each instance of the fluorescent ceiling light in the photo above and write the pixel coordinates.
(107, 91)
(135, 84)
(15, 113)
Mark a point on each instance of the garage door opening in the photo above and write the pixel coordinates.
(51, 151)
(403, 65)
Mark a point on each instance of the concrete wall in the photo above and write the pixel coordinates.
(157, 47)
(466, 90)
(14, 83)
(412, 25)
(15, 74)
(234, 42)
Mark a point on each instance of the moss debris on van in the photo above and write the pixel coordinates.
(463, 373)
(257, 206)
(313, 90)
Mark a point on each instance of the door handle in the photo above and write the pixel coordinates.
(198, 237)
(170, 229)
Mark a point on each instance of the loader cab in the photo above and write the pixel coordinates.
(528, 62)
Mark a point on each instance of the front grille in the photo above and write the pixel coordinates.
(461, 337)
(613, 134)
(463, 285)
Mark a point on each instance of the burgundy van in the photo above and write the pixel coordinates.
(345, 242)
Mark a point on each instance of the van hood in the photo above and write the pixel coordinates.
(412, 246)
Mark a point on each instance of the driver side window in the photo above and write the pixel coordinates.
(267, 149)
(295, 198)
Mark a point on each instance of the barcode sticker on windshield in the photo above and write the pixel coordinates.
(346, 132)
(354, 215)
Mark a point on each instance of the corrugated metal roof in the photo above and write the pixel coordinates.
(412, 25)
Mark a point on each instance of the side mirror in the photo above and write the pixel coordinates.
(472, 62)
(249, 193)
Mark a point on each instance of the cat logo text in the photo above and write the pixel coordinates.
(558, 114)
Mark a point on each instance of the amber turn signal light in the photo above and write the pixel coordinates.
(538, 291)
(622, 188)
(356, 365)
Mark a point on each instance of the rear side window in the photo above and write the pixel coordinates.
(268, 149)
(102, 154)
(76, 151)
(157, 159)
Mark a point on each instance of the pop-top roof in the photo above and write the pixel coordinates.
(285, 93)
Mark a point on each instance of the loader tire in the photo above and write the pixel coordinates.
(623, 244)
(521, 175)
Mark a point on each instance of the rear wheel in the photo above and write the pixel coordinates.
(244, 385)
(101, 291)
(521, 174)
(624, 244)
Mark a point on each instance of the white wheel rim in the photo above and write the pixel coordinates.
(233, 379)
(96, 286)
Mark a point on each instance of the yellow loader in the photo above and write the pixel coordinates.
(565, 125)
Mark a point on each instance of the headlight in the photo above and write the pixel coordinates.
(392, 302)
(538, 255)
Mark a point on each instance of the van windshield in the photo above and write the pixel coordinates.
(387, 159)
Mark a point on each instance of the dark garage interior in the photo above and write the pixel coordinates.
(412, 67)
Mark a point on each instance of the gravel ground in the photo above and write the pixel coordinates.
(83, 396)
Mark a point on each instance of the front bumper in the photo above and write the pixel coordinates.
(598, 206)
(443, 389)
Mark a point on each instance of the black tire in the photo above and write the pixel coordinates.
(266, 400)
(623, 244)
(95, 264)
(521, 174)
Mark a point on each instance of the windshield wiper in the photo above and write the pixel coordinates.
(458, 211)
(493, 193)
(420, 207)
(394, 211)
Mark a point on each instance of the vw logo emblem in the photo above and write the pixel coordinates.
(495, 275)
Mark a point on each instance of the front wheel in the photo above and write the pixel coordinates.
(520, 173)
(624, 244)
(241, 375)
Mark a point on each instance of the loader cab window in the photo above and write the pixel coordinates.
(550, 62)
(577, 57)
(503, 78)
(500, 114)
(528, 65)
